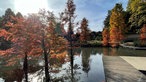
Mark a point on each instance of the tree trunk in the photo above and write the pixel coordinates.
(25, 68)
(71, 63)
(46, 61)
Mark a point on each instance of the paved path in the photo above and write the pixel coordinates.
(138, 62)
(132, 47)
(118, 70)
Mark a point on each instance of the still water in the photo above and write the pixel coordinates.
(84, 66)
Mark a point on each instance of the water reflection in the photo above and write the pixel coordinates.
(122, 52)
(86, 59)
(72, 65)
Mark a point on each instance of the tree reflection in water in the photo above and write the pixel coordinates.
(72, 65)
(86, 59)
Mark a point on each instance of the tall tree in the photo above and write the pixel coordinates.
(117, 18)
(85, 32)
(30, 37)
(117, 24)
(68, 17)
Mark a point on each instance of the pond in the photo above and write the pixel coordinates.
(84, 66)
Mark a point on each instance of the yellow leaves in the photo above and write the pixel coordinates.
(58, 59)
(117, 25)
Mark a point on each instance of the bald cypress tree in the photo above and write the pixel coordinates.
(117, 24)
(85, 32)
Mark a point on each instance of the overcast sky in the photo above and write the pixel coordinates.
(94, 10)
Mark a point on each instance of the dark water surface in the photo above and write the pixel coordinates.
(84, 66)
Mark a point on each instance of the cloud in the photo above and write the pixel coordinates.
(94, 10)
(56, 6)
(4, 4)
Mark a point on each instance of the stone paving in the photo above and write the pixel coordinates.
(118, 70)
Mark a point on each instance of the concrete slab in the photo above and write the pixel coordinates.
(138, 62)
(118, 70)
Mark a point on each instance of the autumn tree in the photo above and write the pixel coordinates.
(7, 17)
(105, 36)
(85, 32)
(105, 32)
(143, 35)
(30, 37)
(68, 17)
(117, 24)
(138, 17)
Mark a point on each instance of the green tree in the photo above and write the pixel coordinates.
(133, 5)
(138, 17)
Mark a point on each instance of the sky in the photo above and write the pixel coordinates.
(94, 10)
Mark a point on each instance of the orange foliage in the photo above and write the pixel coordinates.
(105, 35)
(59, 56)
(114, 37)
(4, 33)
(143, 35)
(6, 52)
(25, 35)
(58, 59)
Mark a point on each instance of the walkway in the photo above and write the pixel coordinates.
(132, 47)
(138, 62)
(118, 70)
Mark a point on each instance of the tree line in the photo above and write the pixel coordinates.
(119, 23)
